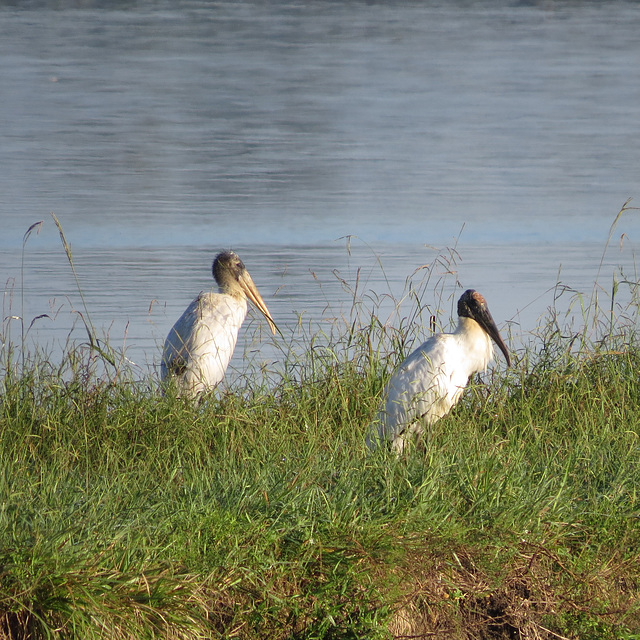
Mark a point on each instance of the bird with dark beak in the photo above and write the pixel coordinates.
(432, 379)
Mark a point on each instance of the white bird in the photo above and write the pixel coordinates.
(199, 347)
(431, 380)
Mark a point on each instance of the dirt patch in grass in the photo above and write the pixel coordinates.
(533, 596)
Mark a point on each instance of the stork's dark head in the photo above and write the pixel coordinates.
(233, 279)
(473, 305)
(227, 269)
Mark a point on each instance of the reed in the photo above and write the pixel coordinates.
(258, 513)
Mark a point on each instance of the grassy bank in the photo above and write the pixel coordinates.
(258, 513)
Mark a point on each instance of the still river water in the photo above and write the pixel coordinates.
(161, 132)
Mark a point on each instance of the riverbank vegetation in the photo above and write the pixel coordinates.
(258, 513)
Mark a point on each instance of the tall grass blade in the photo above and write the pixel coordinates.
(86, 318)
(35, 227)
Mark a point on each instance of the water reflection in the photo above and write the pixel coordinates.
(301, 123)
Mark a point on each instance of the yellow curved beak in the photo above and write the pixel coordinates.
(253, 294)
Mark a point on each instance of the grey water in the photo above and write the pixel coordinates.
(334, 145)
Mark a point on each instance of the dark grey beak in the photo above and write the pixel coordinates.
(485, 320)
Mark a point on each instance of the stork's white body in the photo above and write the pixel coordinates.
(199, 347)
(430, 382)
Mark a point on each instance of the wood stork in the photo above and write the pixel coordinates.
(431, 380)
(199, 347)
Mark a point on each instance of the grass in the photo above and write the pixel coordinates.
(258, 513)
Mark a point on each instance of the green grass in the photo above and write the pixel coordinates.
(259, 513)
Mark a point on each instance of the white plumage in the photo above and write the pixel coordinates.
(199, 347)
(432, 379)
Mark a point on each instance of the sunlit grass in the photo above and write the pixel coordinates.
(259, 513)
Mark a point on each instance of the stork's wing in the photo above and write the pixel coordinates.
(199, 347)
(421, 389)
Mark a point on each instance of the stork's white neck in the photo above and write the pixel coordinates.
(475, 342)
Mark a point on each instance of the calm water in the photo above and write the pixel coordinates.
(161, 132)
